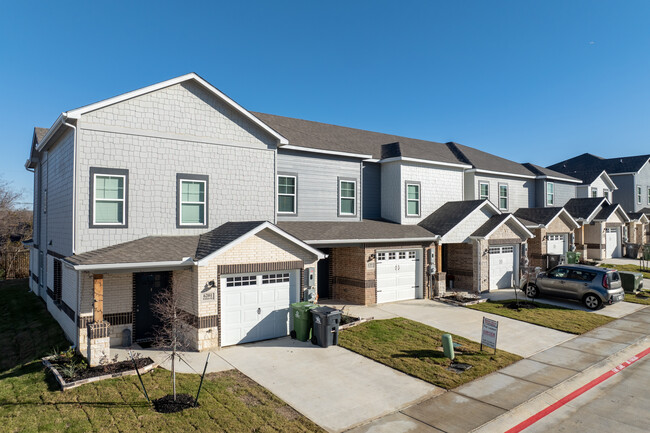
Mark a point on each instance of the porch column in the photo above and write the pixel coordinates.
(440, 287)
(99, 330)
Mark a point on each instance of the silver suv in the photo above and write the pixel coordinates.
(592, 285)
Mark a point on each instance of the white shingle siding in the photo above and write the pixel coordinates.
(317, 184)
(183, 109)
(521, 192)
(241, 184)
(563, 193)
(464, 230)
(584, 191)
(642, 178)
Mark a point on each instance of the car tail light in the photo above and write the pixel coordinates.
(605, 282)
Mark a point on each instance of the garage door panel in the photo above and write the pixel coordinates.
(396, 275)
(501, 267)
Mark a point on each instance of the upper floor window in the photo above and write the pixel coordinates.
(503, 197)
(192, 200)
(413, 199)
(550, 193)
(483, 191)
(287, 194)
(606, 193)
(109, 197)
(649, 195)
(347, 197)
(638, 195)
(594, 192)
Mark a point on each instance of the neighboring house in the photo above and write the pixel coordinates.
(600, 235)
(631, 175)
(552, 188)
(553, 228)
(636, 233)
(595, 184)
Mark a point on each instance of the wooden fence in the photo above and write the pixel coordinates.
(14, 264)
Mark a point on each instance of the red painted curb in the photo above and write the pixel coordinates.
(564, 400)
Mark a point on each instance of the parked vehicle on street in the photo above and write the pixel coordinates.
(592, 285)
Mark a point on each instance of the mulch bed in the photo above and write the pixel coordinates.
(167, 404)
(521, 305)
(100, 370)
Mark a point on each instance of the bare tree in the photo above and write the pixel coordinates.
(170, 334)
(15, 227)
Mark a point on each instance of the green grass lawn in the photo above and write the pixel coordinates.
(549, 316)
(30, 399)
(628, 268)
(414, 348)
(639, 298)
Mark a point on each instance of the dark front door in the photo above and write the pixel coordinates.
(147, 286)
(324, 291)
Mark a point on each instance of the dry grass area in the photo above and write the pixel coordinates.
(30, 400)
(415, 349)
(638, 298)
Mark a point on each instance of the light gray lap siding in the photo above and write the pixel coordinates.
(564, 192)
(371, 190)
(642, 178)
(317, 180)
(521, 191)
(625, 195)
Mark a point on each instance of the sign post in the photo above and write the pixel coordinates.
(489, 333)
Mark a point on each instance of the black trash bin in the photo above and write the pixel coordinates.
(326, 326)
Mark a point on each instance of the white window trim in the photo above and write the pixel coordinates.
(594, 190)
(639, 194)
(413, 199)
(480, 196)
(294, 195)
(552, 194)
(123, 199)
(649, 195)
(507, 196)
(204, 203)
(347, 198)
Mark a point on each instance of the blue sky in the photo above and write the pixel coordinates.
(534, 81)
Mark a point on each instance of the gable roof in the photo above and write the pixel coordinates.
(590, 166)
(585, 208)
(78, 112)
(323, 136)
(496, 221)
(639, 216)
(486, 162)
(452, 213)
(542, 216)
(40, 133)
(177, 251)
(645, 210)
(547, 173)
(366, 231)
(608, 209)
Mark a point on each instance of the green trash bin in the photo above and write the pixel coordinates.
(302, 321)
(573, 257)
(632, 281)
(646, 252)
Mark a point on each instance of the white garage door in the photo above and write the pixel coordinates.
(398, 275)
(556, 244)
(502, 263)
(612, 246)
(256, 306)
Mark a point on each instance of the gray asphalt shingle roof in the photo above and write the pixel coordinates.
(538, 215)
(543, 171)
(449, 215)
(490, 225)
(366, 229)
(587, 166)
(40, 133)
(486, 161)
(582, 208)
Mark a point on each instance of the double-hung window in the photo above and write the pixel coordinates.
(503, 197)
(347, 197)
(109, 202)
(192, 194)
(412, 199)
(483, 191)
(287, 194)
(606, 193)
(649, 195)
(594, 192)
(550, 193)
(638, 194)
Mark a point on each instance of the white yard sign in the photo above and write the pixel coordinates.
(489, 334)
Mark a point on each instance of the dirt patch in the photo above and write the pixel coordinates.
(287, 412)
(167, 404)
(520, 305)
(249, 400)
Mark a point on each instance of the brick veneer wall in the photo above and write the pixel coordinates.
(460, 265)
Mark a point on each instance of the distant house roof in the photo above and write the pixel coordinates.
(585, 208)
(40, 133)
(639, 216)
(177, 250)
(449, 215)
(588, 167)
(541, 215)
(609, 209)
(486, 161)
(323, 136)
(646, 211)
(366, 231)
(486, 230)
(547, 172)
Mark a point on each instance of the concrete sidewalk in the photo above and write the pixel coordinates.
(517, 337)
(487, 399)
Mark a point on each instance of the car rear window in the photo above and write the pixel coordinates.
(614, 276)
(580, 275)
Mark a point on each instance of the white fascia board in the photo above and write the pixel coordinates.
(53, 129)
(325, 152)
(644, 219)
(424, 161)
(75, 114)
(141, 265)
(479, 207)
(370, 241)
(500, 173)
(608, 180)
(265, 225)
(574, 223)
(622, 174)
(516, 220)
(372, 160)
(559, 179)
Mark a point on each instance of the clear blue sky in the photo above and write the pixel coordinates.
(531, 81)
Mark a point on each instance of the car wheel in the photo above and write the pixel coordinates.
(592, 301)
(532, 291)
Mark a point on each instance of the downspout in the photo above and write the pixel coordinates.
(74, 185)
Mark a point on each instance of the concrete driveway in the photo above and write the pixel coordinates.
(517, 337)
(335, 388)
